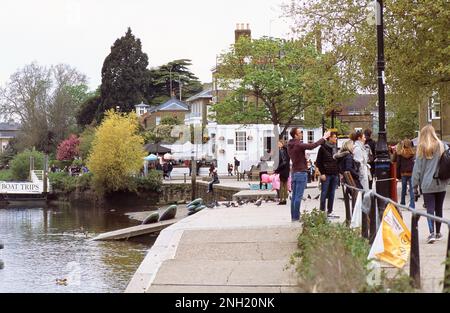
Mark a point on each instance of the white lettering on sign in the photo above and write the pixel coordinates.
(12, 187)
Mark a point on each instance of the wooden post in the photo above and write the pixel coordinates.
(414, 267)
(348, 215)
(372, 220)
(194, 179)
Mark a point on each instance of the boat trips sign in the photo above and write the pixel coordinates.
(20, 188)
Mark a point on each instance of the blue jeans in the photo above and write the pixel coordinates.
(299, 180)
(434, 203)
(328, 189)
(407, 181)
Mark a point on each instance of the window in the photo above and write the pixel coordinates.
(158, 120)
(310, 136)
(141, 111)
(241, 141)
(434, 107)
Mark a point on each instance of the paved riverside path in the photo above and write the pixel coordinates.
(246, 249)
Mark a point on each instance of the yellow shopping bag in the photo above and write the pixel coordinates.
(393, 241)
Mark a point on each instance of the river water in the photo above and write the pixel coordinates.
(45, 245)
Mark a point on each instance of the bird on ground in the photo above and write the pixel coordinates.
(240, 202)
(317, 197)
(309, 196)
(258, 202)
(216, 203)
(304, 199)
(234, 205)
(210, 205)
(228, 204)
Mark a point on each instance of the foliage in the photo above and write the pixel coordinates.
(8, 153)
(87, 111)
(68, 149)
(20, 165)
(152, 182)
(64, 183)
(331, 257)
(175, 71)
(162, 132)
(5, 175)
(117, 152)
(170, 120)
(273, 80)
(416, 37)
(405, 119)
(124, 75)
(45, 100)
(86, 139)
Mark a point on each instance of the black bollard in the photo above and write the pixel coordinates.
(414, 267)
(348, 216)
(2, 265)
(1, 245)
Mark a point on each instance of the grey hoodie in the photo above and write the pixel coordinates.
(424, 171)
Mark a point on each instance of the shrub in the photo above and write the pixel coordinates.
(64, 183)
(5, 175)
(68, 149)
(20, 165)
(333, 258)
(152, 182)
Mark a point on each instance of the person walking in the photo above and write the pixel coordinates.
(346, 162)
(283, 171)
(329, 173)
(360, 154)
(169, 170)
(230, 169)
(296, 151)
(405, 165)
(429, 152)
(237, 163)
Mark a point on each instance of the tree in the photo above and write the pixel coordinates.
(68, 149)
(169, 75)
(272, 81)
(87, 111)
(45, 101)
(416, 42)
(163, 132)
(117, 152)
(86, 139)
(124, 75)
(20, 165)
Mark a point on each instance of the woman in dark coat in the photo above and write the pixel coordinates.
(346, 163)
(283, 170)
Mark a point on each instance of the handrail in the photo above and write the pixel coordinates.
(412, 210)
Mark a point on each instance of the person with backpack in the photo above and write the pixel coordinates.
(329, 177)
(283, 170)
(405, 165)
(346, 162)
(428, 174)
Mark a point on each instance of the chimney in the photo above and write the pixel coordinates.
(242, 30)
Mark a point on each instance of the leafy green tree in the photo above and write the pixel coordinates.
(124, 75)
(20, 165)
(273, 81)
(86, 139)
(175, 71)
(87, 111)
(416, 44)
(117, 152)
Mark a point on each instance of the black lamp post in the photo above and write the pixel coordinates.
(382, 161)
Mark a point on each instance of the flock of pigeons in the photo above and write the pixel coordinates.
(240, 202)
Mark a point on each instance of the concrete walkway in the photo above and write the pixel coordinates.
(247, 249)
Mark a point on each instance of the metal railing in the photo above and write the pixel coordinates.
(414, 270)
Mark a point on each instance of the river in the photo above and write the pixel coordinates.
(48, 249)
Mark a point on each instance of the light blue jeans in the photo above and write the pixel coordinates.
(299, 180)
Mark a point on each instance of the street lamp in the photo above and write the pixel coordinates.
(382, 161)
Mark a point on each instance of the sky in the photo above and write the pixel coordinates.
(81, 32)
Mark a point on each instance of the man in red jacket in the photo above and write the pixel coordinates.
(299, 172)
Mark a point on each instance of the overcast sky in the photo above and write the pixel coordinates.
(80, 32)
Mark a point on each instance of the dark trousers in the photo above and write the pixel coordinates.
(328, 189)
(260, 179)
(434, 203)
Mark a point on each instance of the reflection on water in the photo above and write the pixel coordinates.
(43, 245)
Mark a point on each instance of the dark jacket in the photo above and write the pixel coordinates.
(346, 163)
(405, 165)
(283, 164)
(296, 151)
(327, 165)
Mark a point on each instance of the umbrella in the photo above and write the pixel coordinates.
(151, 157)
(167, 156)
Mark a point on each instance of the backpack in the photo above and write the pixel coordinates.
(443, 170)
